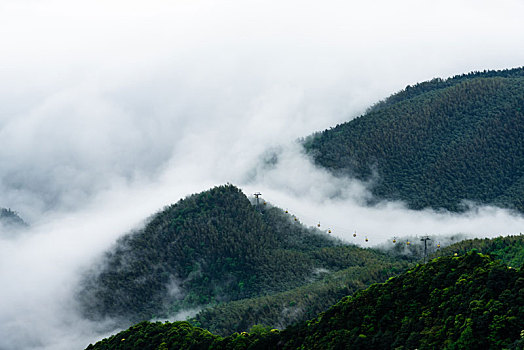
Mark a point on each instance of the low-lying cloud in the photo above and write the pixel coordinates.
(110, 110)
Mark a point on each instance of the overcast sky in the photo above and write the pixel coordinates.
(110, 110)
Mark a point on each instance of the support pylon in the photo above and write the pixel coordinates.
(258, 194)
(425, 239)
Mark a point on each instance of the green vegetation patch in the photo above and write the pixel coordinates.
(464, 302)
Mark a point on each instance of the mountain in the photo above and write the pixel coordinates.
(464, 302)
(214, 247)
(437, 144)
(11, 219)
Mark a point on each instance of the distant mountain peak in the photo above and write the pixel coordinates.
(208, 247)
(11, 219)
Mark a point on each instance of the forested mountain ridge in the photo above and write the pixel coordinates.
(205, 248)
(469, 302)
(437, 83)
(463, 302)
(11, 218)
(280, 310)
(214, 247)
(438, 143)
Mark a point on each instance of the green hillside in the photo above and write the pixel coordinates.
(463, 302)
(282, 309)
(212, 248)
(467, 302)
(437, 143)
(509, 249)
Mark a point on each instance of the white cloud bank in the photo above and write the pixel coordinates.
(110, 110)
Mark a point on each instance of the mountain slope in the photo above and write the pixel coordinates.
(509, 249)
(282, 309)
(209, 248)
(465, 302)
(438, 143)
(469, 302)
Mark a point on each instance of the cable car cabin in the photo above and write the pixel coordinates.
(394, 241)
(329, 230)
(408, 243)
(367, 239)
(287, 211)
(355, 234)
(296, 218)
(438, 245)
(265, 202)
(318, 225)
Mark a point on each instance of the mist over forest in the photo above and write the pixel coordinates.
(113, 110)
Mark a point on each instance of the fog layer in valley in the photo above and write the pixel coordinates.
(111, 110)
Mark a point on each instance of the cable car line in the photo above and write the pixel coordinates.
(333, 228)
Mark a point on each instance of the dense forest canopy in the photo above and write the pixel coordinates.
(508, 249)
(468, 302)
(438, 143)
(453, 302)
(281, 309)
(215, 247)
